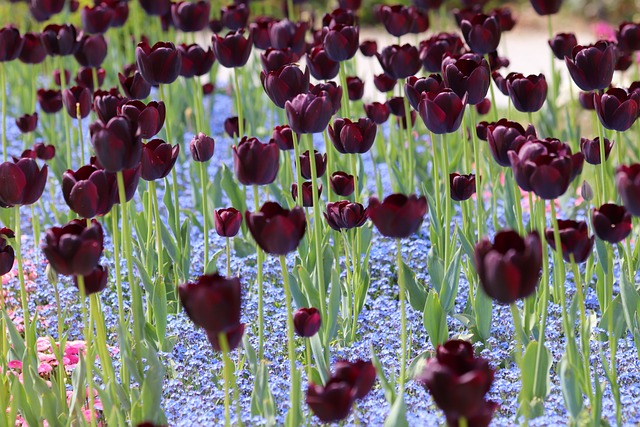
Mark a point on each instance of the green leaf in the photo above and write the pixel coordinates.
(309, 293)
(232, 190)
(416, 293)
(243, 248)
(529, 389)
(262, 403)
(435, 319)
(397, 416)
(466, 245)
(570, 385)
(19, 348)
(483, 311)
(334, 305)
(169, 243)
(212, 265)
(449, 289)
(322, 364)
(603, 254)
(389, 389)
(418, 363)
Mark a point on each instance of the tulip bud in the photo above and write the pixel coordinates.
(308, 113)
(94, 282)
(562, 45)
(591, 67)
(307, 193)
(89, 191)
(134, 87)
(305, 164)
(291, 226)
(273, 59)
(384, 83)
(320, 65)
(27, 123)
(306, 322)
(355, 86)
(202, 147)
(590, 148)
(157, 159)
(33, 51)
(117, 144)
(256, 163)
(369, 48)
(342, 183)
(377, 112)
(283, 137)
(481, 32)
(586, 191)
(11, 42)
(397, 216)
(616, 109)
(44, 152)
(442, 111)
(7, 254)
(467, 74)
(50, 100)
(212, 302)
(434, 49)
(227, 222)
(74, 97)
(462, 186)
(195, 60)
(546, 7)
(160, 64)
(74, 249)
(260, 32)
(285, 83)
(96, 19)
(22, 182)
(190, 17)
(344, 215)
(233, 50)
(574, 240)
(399, 62)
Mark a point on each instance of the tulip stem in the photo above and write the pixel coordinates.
(87, 338)
(23, 289)
(259, 261)
(226, 375)
(554, 86)
(403, 317)
(478, 159)
(290, 337)
(462, 422)
(619, 147)
(3, 99)
(228, 248)
(156, 213)
(296, 150)
(410, 150)
(519, 332)
(447, 203)
(603, 160)
(342, 71)
(494, 107)
(116, 261)
(101, 335)
(353, 159)
(80, 134)
(236, 87)
(436, 174)
(65, 117)
(205, 211)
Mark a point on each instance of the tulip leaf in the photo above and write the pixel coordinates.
(334, 305)
(298, 297)
(215, 197)
(262, 403)
(151, 392)
(435, 268)
(416, 293)
(168, 201)
(397, 416)
(603, 254)
(169, 243)
(570, 385)
(466, 245)
(317, 348)
(435, 319)
(307, 295)
(242, 247)
(483, 311)
(250, 353)
(232, 190)
(279, 194)
(614, 312)
(449, 289)
(418, 363)
(388, 388)
(18, 347)
(531, 387)
(630, 302)
(212, 265)
(510, 203)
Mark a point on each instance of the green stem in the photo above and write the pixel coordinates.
(290, 337)
(410, 151)
(296, 151)
(478, 159)
(603, 161)
(156, 214)
(447, 199)
(3, 99)
(553, 63)
(403, 318)
(226, 374)
(65, 116)
(238, 102)
(228, 248)
(80, 133)
(342, 71)
(353, 158)
(87, 337)
(260, 261)
(116, 260)
(23, 289)
(205, 210)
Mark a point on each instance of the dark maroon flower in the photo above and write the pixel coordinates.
(307, 193)
(212, 302)
(215, 25)
(628, 185)
(232, 50)
(106, 104)
(273, 59)
(339, 16)
(590, 148)
(341, 42)
(22, 182)
(419, 20)
(545, 166)
(227, 221)
(120, 10)
(7, 254)
(149, 118)
(11, 43)
(361, 375)
(207, 89)
(482, 33)
(277, 231)
(352, 5)
(434, 49)
(308, 113)
(283, 137)
(342, 183)
(94, 282)
(256, 163)
(355, 86)
(285, 83)
(231, 126)
(50, 100)
(457, 380)
(156, 7)
(397, 19)
(235, 16)
(468, 74)
(157, 159)
(562, 44)
(331, 402)
(159, 64)
(47, 8)
(202, 147)
(628, 36)
(505, 18)
(611, 223)
(369, 48)
(27, 123)
(233, 336)
(623, 62)
(89, 191)
(344, 215)
(397, 216)
(305, 164)
(586, 100)
(377, 112)
(74, 249)
(195, 60)
(384, 83)
(442, 111)
(33, 51)
(484, 107)
(328, 89)
(396, 106)
(285, 33)
(117, 144)
(462, 186)
(616, 109)
(352, 137)
(131, 178)
(60, 40)
(591, 67)
(77, 98)
(574, 239)
(191, 17)
(399, 62)
(96, 19)
(260, 32)
(57, 77)
(504, 136)
(546, 7)
(320, 65)
(44, 152)
(85, 78)
(135, 86)
(527, 93)
(414, 87)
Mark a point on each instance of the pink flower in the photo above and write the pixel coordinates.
(15, 364)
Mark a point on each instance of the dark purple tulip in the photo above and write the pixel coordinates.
(352, 137)
(505, 18)
(305, 164)
(195, 60)
(75, 249)
(628, 36)
(202, 147)
(428, 4)
(85, 78)
(590, 148)
(545, 166)
(232, 50)
(44, 152)
(57, 77)
(419, 20)
(235, 16)
(462, 186)
(341, 42)
(273, 59)
(586, 100)
(484, 107)
(468, 74)
(60, 40)
(207, 89)
(344, 215)
(328, 89)
(377, 112)
(434, 48)
(616, 109)
(47, 7)
(384, 83)
(355, 87)
(361, 375)
(340, 16)
(482, 33)
(117, 144)
(22, 182)
(191, 17)
(399, 62)
(156, 7)
(308, 113)
(562, 44)
(256, 163)
(369, 48)
(457, 380)
(227, 221)
(307, 322)
(159, 64)
(331, 402)
(442, 111)
(50, 100)
(397, 19)
(131, 178)
(233, 335)
(27, 123)
(94, 282)
(215, 25)
(277, 231)
(11, 43)
(546, 7)
(157, 159)
(320, 65)
(7, 254)
(120, 10)
(106, 104)
(77, 95)
(212, 302)
(397, 216)
(285, 83)
(505, 136)
(135, 86)
(342, 183)
(96, 19)
(260, 32)
(149, 118)
(628, 185)
(307, 193)
(591, 67)
(33, 51)
(574, 239)
(624, 61)
(611, 223)
(414, 87)
(283, 137)
(285, 33)
(527, 93)
(89, 191)
(231, 126)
